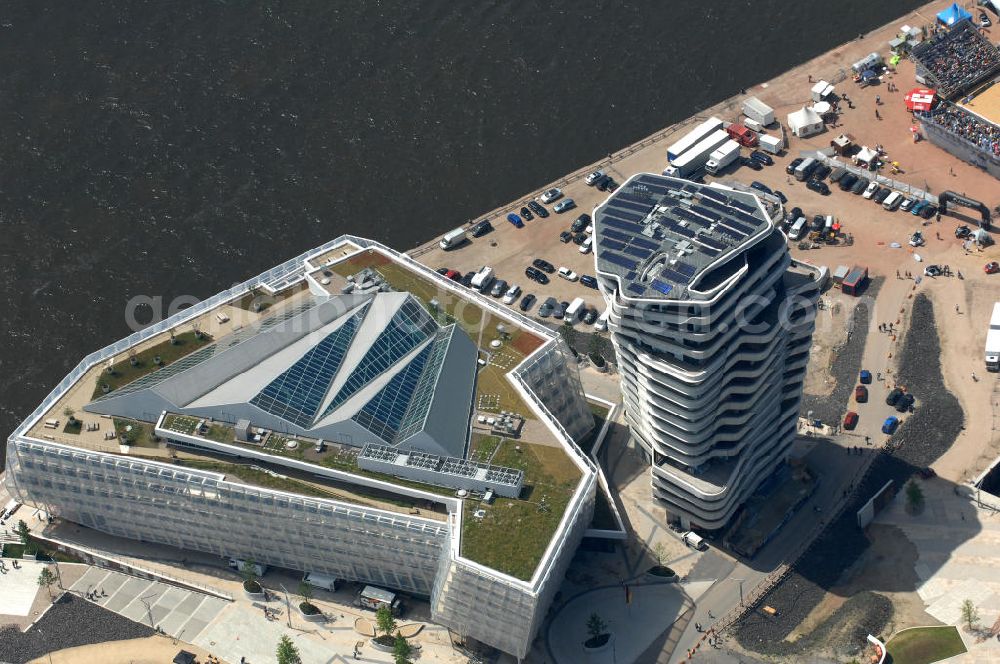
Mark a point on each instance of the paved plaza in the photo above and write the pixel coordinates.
(18, 587)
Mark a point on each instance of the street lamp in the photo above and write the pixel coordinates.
(741, 589)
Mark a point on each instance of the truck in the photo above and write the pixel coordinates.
(373, 598)
(805, 169)
(697, 156)
(482, 278)
(742, 135)
(692, 138)
(758, 111)
(726, 154)
(855, 281)
(453, 239)
(324, 581)
(694, 541)
(993, 341)
(772, 144)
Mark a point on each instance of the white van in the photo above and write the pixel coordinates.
(453, 239)
(573, 310)
(694, 541)
(892, 201)
(795, 232)
(586, 246)
(323, 581)
(601, 323)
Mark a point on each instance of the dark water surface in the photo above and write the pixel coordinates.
(173, 148)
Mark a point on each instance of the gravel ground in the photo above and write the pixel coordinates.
(922, 438)
(70, 622)
(845, 365)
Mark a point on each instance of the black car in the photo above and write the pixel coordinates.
(795, 214)
(580, 223)
(467, 279)
(611, 185)
(752, 164)
(838, 174)
(559, 310)
(847, 181)
(962, 231)
(588, 281)
(904, 403)
(565, 237)
(894, 396)
(538, 209)
(859, 187)
(762, 157)
(818, 187)
(590, 316)
(547, 306)
(928, 211)
(526, 214)
(818, 222)
(535, 274)
(790, 169)
(881, 194)
(544, 265)
(760, 186)
(482, 228)
(526, 302)
(579, 238)
(781, 196)
(820, 172)
(443, 270)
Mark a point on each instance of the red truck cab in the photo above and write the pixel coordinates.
(742, 135)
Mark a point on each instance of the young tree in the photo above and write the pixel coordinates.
(23, 532)
(250, 576)
(385, 621)
(45, 580)
(914, 497)
(287, 653)
(70, 414)
(401, 650)
(306, 592)
(970, 615)
(596, 626)
(659, 552)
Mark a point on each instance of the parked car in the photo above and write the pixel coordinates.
(760, 186)
(928, 211)
(907, 202)
(932, 271)
(752, 164)
(564, 206)
(848, 181)
(781, 196)
(536, 275)
(588, 281)
(861, 394)
(818, 187)
(890, 424)
(893, 396)
(592, 179)
(591, 316)
(586, 245)
(790, 169)
(881, 194)
(559, 311)
(871, 190)
(602, 182)
(454, 275)
(515, 220)
(567, 274)
(526, 214)
(917, 207)
(443, 270)
(610, 184)
(526, 302)
(548, 305)
(550, 195)
(543, 265)
(762, 157)
(984, 20)
(565, 237)
(818, 223)
(905, 403)
(467, 279)
(850, 420)
(865, 377)
(512, 294)
(499, 288)
(481, 228)
(821, 172)
(580, 223)
(962, 232)
(837, 174)
(579, 238)
(992, 267)
(861, 185)
(795, 214)
(538, 209)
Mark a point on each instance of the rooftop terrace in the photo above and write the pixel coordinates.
(657, 235)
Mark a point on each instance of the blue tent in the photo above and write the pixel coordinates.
(953, 15)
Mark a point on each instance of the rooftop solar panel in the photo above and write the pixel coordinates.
(613, 244)
(618, 259)
(643, 242)
(617, 213)
(747, 230)
(615, 235)
(642, 208)
(674, 276)
(714, 195)
(638, 252)
(742, 206)
(630, 275)
(711, 242)
(686, 269)
(662, 287)
(640, 199)
(638, 289)
(709, 251)
(622, 225)
(714, 205)
(701, 222)
(705, 212)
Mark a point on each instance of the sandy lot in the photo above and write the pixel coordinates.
(154, 650)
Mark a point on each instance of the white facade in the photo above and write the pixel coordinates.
(712, 369)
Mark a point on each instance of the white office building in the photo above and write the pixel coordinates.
(711, 321)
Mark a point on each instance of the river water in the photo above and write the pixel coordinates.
(170, 149)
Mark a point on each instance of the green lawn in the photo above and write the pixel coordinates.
(186, 424)
(141, 434)
(184, 344)
(74, 427)
(482, 447)
(924, 645)
(513, 534)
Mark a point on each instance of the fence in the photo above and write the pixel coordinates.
(897, 185)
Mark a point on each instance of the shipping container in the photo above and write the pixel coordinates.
(772, 144)
(855, 281)
(758, 111)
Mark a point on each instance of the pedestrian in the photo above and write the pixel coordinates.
(810, 78)
(897, 274)
(710, 615)
(877, 116)
(956, 308)
(878, 100)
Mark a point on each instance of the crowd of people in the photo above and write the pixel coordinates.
(984, 134)
(957, 59)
